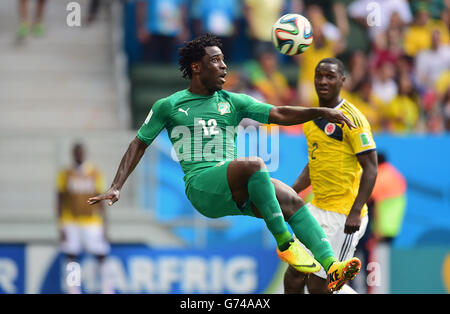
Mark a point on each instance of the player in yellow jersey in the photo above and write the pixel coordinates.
(81, 226)
(342, 169)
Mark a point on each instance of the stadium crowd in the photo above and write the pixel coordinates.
(397, 52)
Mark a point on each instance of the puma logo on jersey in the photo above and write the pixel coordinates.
(185, 111)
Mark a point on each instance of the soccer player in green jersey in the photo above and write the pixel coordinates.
(202, 124)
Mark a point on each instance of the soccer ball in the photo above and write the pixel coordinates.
(292, 34)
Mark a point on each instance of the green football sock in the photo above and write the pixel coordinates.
(310, 233)
(262, 194)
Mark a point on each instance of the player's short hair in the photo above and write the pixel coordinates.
(340, 65)
(194, 50)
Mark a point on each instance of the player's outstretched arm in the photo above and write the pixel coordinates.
(289, 115)
(132, 156)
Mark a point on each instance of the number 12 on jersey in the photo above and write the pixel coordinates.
(210, 127)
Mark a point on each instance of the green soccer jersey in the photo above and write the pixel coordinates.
(202, 129)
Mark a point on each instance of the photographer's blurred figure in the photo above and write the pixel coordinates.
(387, 206)
(389, 198)
(82, 226)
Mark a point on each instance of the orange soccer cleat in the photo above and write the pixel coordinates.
(342, 272)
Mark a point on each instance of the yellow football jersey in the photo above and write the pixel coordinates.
(77, 185)
(334, 169)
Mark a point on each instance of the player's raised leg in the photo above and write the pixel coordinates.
(303, 224)
(249, 180)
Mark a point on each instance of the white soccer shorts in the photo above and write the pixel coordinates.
(88, 237)
(333, 224)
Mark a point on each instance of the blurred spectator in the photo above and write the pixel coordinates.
(26, 23)
(442, 84)
(262, 79)
(358, 65)
(389, 198)
(431, 63)
(376, 15)
(161, 24)
(328, 42)
(94, 6)
(405, 65)
(431, 68)
(434, 122)
(366, 101)
(264, 75)
(387, 207)
(358, 89)
(445, 17)
(444, 105)
(341, 17)
(434, 7)
(402, 112)
(334, 11)
(93, 11)
(405, 53)
(82, 226)
(418, 35)
(260, 16)
(433, 102)
(218, 17)
(384, 85)
(387, 47)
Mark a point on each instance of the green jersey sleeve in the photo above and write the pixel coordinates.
(156, 120)
(251, 108)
